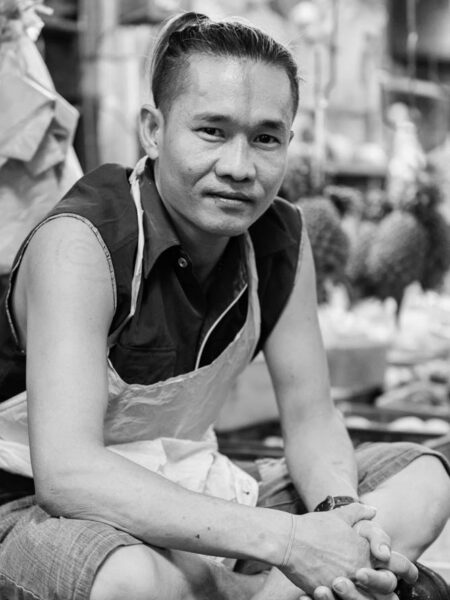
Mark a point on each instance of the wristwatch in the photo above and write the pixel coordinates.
(332, 502)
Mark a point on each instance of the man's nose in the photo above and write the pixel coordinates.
(236, 160)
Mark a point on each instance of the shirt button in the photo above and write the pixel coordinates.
(182, 262)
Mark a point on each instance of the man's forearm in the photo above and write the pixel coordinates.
(321, 459)
(311, 550)
(106, 487)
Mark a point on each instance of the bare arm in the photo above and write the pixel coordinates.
(318, 449)
(65, 288)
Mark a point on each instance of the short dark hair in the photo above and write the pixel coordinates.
(194, 33)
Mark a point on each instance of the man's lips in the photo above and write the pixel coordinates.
(230, 195)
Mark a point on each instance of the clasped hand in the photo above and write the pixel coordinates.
(344, 551)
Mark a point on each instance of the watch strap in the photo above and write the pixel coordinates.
(332, 502)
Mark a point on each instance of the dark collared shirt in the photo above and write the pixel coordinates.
(173, 313)
(171, 343)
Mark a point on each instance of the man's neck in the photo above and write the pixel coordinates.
(204, 258)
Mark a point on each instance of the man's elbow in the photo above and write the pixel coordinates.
(58, 491)
(66, 478)
(50, 500)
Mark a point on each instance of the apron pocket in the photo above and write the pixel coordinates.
(143, 365)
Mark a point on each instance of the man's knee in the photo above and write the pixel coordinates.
(432, 485)
(435, 482)
(425, 482)
(414, 504)
(130, 572)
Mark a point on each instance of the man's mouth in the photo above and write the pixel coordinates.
(230, 195)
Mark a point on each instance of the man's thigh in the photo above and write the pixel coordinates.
(378, 462)
(45, 557)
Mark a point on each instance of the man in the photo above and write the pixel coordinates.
(137, 304)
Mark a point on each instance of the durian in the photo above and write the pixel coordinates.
(437, 260)
(397, 255)
(329, 242)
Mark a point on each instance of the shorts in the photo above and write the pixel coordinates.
(44, 557)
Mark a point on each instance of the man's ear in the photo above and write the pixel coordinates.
(150, 125)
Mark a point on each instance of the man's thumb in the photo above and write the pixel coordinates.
(352, 513)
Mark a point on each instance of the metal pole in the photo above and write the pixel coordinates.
(411, 48)
(91, 21)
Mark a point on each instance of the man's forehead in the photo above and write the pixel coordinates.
(227, 70)
(219, 84)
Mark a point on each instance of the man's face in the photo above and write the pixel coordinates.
(222, 147)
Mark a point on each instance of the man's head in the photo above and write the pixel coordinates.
(193, 33)
(220, 127)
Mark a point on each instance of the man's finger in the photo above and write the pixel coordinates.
(323, 593)
(381, 581)
(352, 513)
(347, 590)
(380, 542)
(402, 567)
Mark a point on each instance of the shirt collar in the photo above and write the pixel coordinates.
(158, 229)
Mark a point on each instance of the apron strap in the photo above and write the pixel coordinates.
(134, 180)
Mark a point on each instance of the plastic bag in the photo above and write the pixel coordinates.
(37, 162)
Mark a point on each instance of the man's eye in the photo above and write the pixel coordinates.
(265, 138)
(211, 131)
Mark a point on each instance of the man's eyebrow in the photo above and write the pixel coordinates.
(207, 116)
(276, 124)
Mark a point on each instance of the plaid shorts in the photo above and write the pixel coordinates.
(44, 557)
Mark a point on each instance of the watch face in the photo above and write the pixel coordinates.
(326, 504)
(329, 503)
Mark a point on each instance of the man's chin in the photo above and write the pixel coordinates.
(232, 223)
(232, 228)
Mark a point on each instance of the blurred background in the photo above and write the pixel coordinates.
(356, 57)
(368, 166)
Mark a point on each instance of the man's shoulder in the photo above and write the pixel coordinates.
(278, 228)
(109, 180)
(102, 197)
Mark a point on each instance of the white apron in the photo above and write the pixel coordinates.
(166, 427)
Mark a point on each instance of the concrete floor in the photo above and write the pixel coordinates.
(437, 556)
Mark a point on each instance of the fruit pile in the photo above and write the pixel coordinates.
(410, 243)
